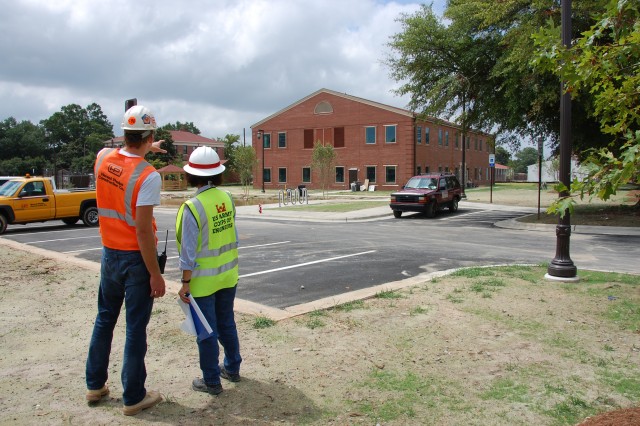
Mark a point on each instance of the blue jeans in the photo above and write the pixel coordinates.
(123, 278)
(218, 310)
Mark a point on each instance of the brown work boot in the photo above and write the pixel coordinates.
(95, 395)
(149, 400)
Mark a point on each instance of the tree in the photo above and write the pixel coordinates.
(246, 161)
(187, 127)
(72, 134)
(524, 158)
(441, 67)
(518, 97)
(22, 148)
(230, 147)
(323, 159)
(158, 160)
(502, 156)
(603, 62)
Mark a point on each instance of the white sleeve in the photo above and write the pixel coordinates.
(150, 190)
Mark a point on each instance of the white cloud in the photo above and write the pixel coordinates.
(222, 64)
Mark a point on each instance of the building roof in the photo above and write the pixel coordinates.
(500, 166)
(401, 111)
(171, 168)
(182, 137)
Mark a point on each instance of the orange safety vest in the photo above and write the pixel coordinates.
(118, 182)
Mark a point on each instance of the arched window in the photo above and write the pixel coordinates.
(323, 107)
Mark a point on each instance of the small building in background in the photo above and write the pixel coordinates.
(503, 173)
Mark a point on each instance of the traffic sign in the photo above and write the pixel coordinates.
(492, 160)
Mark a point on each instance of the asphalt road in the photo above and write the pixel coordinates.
(286, 263)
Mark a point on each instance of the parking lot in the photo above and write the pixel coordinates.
(286, 263)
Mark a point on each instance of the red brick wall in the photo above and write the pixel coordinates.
(355, 116)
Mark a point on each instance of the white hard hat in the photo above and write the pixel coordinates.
(204, 161)
(139, 117)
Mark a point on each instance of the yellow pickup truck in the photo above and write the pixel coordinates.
(36, 199)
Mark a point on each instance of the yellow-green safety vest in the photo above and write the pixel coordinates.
(217, 251)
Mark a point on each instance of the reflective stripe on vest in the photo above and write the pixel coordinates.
(217, 248)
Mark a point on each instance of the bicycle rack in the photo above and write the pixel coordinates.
(293, 196)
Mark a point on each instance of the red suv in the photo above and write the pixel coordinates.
(427, 193)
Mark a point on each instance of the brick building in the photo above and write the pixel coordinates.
(381, 143)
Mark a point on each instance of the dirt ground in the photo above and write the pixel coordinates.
(484, 348)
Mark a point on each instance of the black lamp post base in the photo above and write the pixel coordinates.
(561, 267)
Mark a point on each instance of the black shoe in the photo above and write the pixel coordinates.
(200, 386)
(232, 377)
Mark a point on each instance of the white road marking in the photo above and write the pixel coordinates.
(244, 247)
(263, 245)
(305, 264)
(60, 239)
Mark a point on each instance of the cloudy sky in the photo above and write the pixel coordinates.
(222, 64)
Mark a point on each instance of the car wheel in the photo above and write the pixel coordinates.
(453, 207)
(70, 220)
(3, 224)
(397, 214)
(432, 207)
(90, 216)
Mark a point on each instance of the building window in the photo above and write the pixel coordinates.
(419, 135)
(426, 136)
(419, 170)
(475, 143)
(390, 174)
(338, 137)
(457, 142)
(468, 142)
(371, 174)
(185, 149)
(340, 174)
(479, 144)
(439, 137)
(439, 169)
(306, 174)
(370, 135)
(282, 175)
(426, 169)
(390, 134)
(323, 107)
(266, 140)
(266, 175)
(282, 140)
(446, 169)
(446, 138)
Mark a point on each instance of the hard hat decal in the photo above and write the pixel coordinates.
(148, 119)
(132, 121)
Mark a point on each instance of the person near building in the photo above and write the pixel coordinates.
(127, 189)
(207, 241)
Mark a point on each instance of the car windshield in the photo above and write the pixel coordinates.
(422, 183)
(9, 188)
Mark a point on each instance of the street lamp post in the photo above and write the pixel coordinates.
(260, 134)
(561, 268)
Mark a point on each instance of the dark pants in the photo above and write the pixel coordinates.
(124, 278)
(218, 310)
